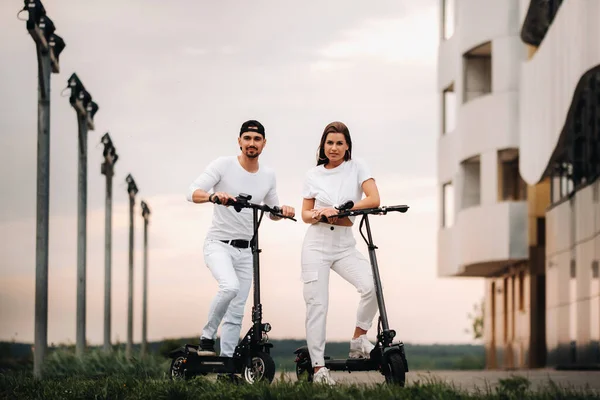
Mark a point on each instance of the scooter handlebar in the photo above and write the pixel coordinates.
(242, 202)
(345, 206)
(383, 210)
(276, 210)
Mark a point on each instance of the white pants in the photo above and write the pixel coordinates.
(232, 268)
(323, 249)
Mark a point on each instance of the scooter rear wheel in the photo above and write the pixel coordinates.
(304, 370)
(395, 372)
(262, 369)
(176, 372)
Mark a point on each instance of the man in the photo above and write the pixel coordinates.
(227, 250)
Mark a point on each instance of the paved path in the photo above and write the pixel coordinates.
(473, 380)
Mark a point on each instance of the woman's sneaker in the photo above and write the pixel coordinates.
(361, 347)
(207, 347)
(322, 376)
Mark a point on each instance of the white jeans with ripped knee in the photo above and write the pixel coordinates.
(328, 247)
(232, 268)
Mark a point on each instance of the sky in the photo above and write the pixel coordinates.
(174, 81)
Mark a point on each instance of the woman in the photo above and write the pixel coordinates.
(336, 179)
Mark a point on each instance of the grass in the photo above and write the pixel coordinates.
(420, 357)
(112, 376)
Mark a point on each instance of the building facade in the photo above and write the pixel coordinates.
(483, 199)
(518, 162)
(560, 144)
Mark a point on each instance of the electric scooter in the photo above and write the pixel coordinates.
(387, 357)
(251, 357)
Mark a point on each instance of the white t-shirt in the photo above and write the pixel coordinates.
(337, 185)
(225, 174)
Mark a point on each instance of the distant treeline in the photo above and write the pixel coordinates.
(419, 356)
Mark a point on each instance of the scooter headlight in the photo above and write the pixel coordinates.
(266, 327)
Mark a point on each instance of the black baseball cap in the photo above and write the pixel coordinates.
(252, 126)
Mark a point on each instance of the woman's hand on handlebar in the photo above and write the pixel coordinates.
(329, 213)
(222, 198)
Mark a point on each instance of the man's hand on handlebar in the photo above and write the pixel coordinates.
(286, 211)
(221, 198)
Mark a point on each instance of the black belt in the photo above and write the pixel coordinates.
(242, 244)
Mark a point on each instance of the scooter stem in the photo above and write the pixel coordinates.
(377, 280)
(257, 307)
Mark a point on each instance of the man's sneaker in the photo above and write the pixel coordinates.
(322, 376)
(361, 347)
(207, 347)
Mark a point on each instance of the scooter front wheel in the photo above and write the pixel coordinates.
(395, 373)
(262, 369)
(177, 370)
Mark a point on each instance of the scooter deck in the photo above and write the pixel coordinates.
(195, 364)
(351, 364)
(210, 364)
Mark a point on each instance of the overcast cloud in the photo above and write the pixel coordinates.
(174, 81)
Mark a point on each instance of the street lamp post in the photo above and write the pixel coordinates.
(132, 190)
(48, 49)
(107, 169)
(82, 102)
(146, 216)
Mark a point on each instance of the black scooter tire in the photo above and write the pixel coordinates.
(176, 369)
(301, 370)
(264, 365)
(395, 372)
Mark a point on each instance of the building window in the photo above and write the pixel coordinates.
(505, 309)
(573, 308)
(447, 205)
(471, 190)
(541, 231)
(447, 19)
(448, 109)
(561, 182)
(477, 72)
(521, 290)
(595, 306)
(511, 187)
(513, 306)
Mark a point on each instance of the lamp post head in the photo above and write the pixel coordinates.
(57, 44)
(131, 186)
(145, 210)
(36, 10)
(47, 26)
(109, 152)
(92, 109)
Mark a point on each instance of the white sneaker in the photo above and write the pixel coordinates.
(361, 347)
(322, 376)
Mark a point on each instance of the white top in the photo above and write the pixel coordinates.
(337, 185)
(225, 174)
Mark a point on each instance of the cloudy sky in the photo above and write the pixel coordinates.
(174, 81)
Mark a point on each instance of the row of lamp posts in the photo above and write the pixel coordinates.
(48, 47)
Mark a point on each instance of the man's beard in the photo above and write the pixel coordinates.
(256, 153)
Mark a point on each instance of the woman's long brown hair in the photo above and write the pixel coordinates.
(334, 127)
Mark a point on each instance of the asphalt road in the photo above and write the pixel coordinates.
(482, 380)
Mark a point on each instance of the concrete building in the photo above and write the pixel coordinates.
(516, 207)
(560, 148)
